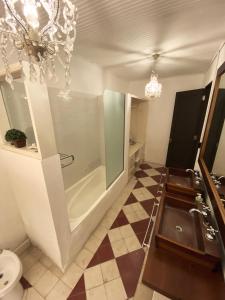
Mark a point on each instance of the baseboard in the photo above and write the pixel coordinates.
(22, 247)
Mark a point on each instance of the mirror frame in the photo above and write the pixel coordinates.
(217, 204)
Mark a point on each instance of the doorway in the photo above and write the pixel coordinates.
(188, 118)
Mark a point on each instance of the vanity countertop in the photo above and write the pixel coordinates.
(179, 279)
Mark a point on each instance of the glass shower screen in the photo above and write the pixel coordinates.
(114, 119)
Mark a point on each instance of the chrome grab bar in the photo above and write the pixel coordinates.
(64, 156)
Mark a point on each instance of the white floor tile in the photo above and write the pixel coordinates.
(148, 181)
(100, 232)
(35, 252)
(152, 172)
(97, 293)
(143, 292)
(28, 261)
(110, 270)
(119, 248)
(32, 294)
(132, 243)
(142, 194)
(83, 258)
(126, 231)
(92, 244)
(157, 296)
(115, 290)
(114, 235)
(46, 261)
(35, 273)
(56, 271)
(72, 275)
(46, 283)
(60, 292)
(93, 277)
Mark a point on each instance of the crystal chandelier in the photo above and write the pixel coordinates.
(40, 31)
(153, 88)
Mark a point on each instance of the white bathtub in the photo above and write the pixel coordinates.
(84, 195)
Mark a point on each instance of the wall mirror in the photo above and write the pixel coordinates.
(212, 156)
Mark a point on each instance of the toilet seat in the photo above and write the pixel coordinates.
(10, 274)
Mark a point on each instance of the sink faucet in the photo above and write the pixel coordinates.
(196, 173)
(217, 183)
(201, 212)
(211, 233)
(190, 170)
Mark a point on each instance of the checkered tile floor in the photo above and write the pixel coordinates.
(114, 270)
(110, 264)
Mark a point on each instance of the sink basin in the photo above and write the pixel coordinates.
(182, 233)
(182, 182)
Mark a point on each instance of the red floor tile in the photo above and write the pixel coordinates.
(138, 185)
(130, 266)
(140, 226)
(120, 220)
(25, 283)
(105, 241)
(140, 174)
(78, 289)
(141, 236)
(157, 178)
(148, 205)
(131, 199)
(161, 169)
(94, 261)
(81, 296)
(145, 166)
(154, 189)
(103, 253)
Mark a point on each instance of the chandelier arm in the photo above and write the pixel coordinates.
(8, 32)
(10, 10)
(52, 21)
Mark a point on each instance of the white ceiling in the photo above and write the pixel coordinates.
(121, 35)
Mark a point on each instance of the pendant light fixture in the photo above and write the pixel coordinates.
(153, 88)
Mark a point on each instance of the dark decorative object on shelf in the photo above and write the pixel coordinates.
(16, 137)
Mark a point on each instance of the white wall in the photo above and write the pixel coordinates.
(12, 232)
(86, 77)
(160, 112)
(38, 189)
(114, 83)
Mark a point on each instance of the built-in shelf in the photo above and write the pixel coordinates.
(134, 148)
(23, 151)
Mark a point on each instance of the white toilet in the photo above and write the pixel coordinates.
(10, 274)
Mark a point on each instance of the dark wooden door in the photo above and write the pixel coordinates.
(188, 118)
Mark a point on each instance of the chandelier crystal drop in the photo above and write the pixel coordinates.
(40, 31)
(153, 88)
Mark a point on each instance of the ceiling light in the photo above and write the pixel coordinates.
(39, 31)
(153, 88)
